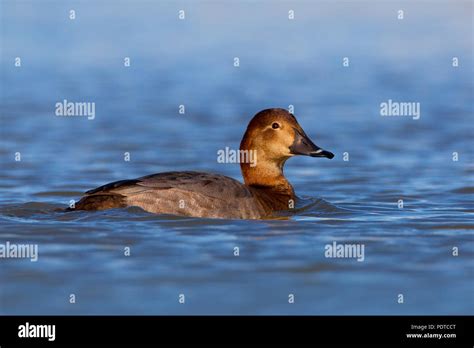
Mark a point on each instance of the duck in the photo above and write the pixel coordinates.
(274, 135)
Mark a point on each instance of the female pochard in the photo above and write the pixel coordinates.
(273, 134)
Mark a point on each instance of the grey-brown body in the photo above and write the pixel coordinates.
(186, 193)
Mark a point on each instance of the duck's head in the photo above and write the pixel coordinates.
(276, 135)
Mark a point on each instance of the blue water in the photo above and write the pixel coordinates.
(283, 62)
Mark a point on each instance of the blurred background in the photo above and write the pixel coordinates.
(282, 62)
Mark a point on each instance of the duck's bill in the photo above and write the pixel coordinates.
(304, 146)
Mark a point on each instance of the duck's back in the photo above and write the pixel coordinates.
(178, 193)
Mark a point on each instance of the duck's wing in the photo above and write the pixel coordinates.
(184, 193)
(208, 184)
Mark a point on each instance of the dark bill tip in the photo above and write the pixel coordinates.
(322, 153)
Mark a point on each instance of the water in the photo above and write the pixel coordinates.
(408, 250)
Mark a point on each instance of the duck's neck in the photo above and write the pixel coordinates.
(268, 176)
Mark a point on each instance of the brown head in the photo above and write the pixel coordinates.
(275, 136)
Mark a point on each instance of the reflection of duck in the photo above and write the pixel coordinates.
(274, 134)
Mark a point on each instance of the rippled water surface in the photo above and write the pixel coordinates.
(354, 198)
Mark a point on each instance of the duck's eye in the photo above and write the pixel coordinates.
(275, 125)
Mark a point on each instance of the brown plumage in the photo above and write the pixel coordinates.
(274, 135)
